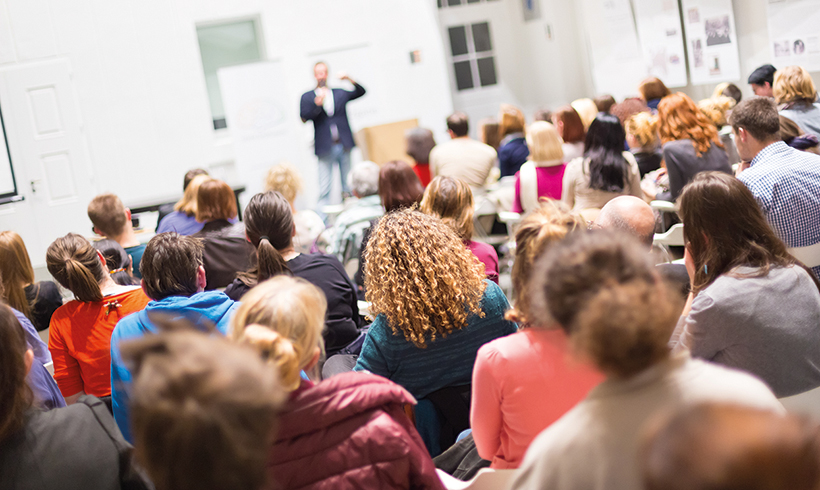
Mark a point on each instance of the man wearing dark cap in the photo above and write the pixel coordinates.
(761, 81)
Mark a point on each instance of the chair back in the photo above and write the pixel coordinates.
(810, 256)
(485, 479)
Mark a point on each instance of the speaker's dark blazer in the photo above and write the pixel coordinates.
(309, 111)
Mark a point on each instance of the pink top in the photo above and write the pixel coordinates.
(522, 383)
(550, 180)
(485, 253)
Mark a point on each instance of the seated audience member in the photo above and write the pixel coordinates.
(642, 138)
(652, 90)
(174, 279)
(542, 115)
(792, 135)
(762, 81)
(601, 288)
(80, 335)
(462, 157)
(512, 150)
(587, 109)
(204, 412)
(399, 188)
(227, 250)
(605, 172)
(452, 200)
(269, 225)
(631, 215)
(752, 306)
(634, 216)
(182, 219)
(717, 110)
(285, 179)
(543, 174)
(571, 130)
(690, 143)
(167, 209)
(45, 390)
(727, 89)
(532, 368)
(74, 448)
(728, 447)
(604, 103)
(488, 133)
(796, 97)
(36, 300)
(628, 108)
(118, 262)
(350, 224)
(113, 220)
(782, 179)
(420, 142)
(426, 333)
(354, 418)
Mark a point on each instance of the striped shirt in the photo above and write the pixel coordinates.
(447, 361)
(786, 184)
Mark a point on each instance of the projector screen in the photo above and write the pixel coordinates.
(8, 187)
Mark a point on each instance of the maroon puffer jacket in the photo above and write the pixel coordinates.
(350, 432)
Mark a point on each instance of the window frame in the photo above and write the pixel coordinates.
(472, 56)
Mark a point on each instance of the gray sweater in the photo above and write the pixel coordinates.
(768, 326)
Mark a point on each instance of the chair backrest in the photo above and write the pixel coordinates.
(485, 479)
(672, 238)
(810, 256)
(807, 404)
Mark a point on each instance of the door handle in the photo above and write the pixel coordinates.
(34, 184)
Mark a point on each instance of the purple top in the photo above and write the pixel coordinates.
(550, 180)
(180, 223)
(486, 254)
(46, 393)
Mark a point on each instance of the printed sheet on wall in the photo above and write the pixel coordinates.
(712, 41)
(617, 60)
(794, 33)
(659, 30)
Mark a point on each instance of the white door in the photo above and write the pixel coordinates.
(48, 152)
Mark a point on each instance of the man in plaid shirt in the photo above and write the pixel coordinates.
(785, 181)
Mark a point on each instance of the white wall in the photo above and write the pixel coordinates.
(140, 91)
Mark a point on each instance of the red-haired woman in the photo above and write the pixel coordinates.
(690, 143)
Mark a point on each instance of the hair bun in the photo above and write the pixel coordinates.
(275, 349)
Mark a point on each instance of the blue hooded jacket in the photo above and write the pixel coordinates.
(201, 309)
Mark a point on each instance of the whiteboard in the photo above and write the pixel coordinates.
(661, 37)
(711, 37)
(8, 187)
(793, 33)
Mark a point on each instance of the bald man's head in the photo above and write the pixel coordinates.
(630, 214)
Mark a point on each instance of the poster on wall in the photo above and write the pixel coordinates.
(712, 41)
(793, 33)
(617, 60)
(661, 38)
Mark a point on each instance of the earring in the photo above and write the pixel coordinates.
(705, 269)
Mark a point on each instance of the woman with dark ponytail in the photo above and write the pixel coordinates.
(269, 227)
(119, 263)
(80, 334)
(605, 172)
(70, 448)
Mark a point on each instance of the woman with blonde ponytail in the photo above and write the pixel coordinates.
(80, 334)
(269, 227)
(532, 368)
(355, 419)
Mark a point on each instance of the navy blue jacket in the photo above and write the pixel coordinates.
(309, 111)
(512, 155)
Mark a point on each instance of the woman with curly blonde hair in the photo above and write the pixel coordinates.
(642, 138)
(717, 110)
(796, 97)
(452, 200)
(433, 307)
(531, 368)
(690, 143)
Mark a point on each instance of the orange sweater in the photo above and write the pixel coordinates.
(80, 341)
